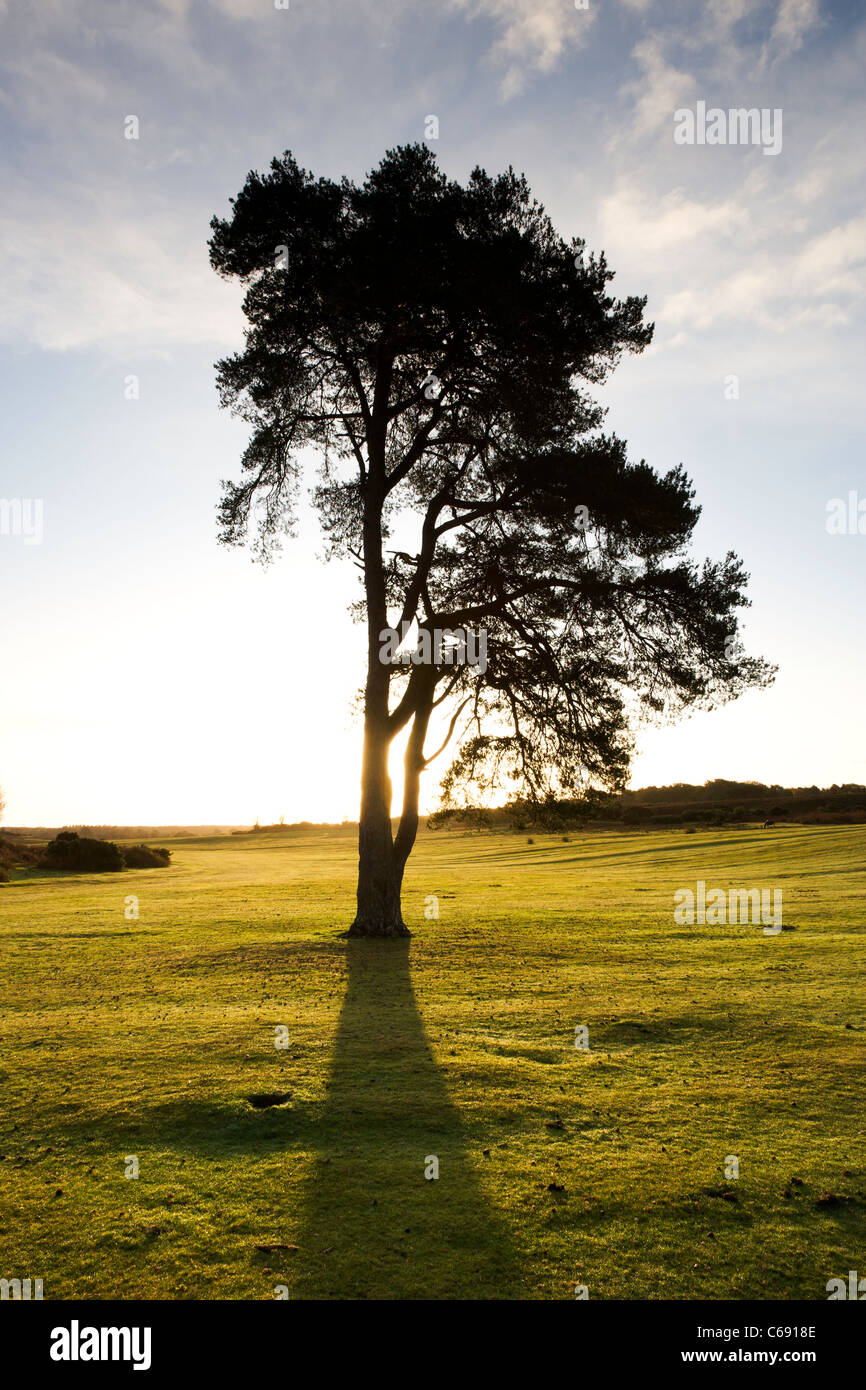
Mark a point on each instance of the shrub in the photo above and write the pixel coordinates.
(14, 855)
(69, 851)
(144, 857)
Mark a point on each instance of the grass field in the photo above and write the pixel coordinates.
(145, 1037)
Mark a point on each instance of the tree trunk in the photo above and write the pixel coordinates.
(378, 913)
(413, 767)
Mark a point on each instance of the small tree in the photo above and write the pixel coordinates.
(436, 344)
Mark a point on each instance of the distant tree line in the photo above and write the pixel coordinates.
(720, 789)
(122, 832)
(717, 802)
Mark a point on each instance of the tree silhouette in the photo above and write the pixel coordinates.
(436, 344)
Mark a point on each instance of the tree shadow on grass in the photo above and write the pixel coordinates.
(371, 1225)
(367, 1222)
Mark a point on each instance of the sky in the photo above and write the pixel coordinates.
(149, 676)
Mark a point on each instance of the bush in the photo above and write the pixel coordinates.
(73, 852)
(143, 857)
(69, 851)
(4, 877)
(16, 856)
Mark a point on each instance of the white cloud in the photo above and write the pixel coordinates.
(37, 40)
(833, 263)
(659, 89)
(724, 14)
(532, 36)
(661, 225)
(794, 20)
(811, 186)
(821, 282)
(81, 272)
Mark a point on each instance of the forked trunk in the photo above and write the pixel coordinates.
(413, 767)
(380, 865)
(378, 912)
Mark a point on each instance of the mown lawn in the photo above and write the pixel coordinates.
(144, 1038)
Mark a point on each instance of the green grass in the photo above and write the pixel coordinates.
(145, 1038)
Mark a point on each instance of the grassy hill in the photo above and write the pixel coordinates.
(144, 1037)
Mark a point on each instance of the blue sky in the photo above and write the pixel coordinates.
(146, 675)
